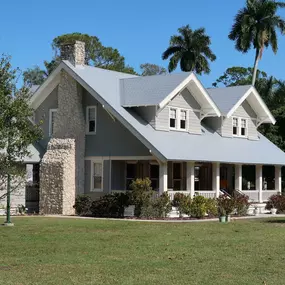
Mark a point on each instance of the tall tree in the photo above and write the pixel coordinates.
(256, 25)
(16, 130)
(191, 48)
(151, 69)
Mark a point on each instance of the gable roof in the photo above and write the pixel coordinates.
(104, 85)
(149, 90)
(229, 99)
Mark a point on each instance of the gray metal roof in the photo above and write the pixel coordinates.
(149, 90)
(210, 146)
(227, 97)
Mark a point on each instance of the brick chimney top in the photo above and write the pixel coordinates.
(73, 52)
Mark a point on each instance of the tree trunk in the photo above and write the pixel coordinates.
(257, 56)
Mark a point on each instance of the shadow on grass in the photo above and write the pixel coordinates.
(275, 221)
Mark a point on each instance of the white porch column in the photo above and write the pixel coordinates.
(190, 178)
(258, 181)
(162, 177)
(216, 178)
(278, 183)
(238, 177)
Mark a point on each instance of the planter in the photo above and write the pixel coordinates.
(228, 218)
(222, 219)
(273, 211)
(256, 211)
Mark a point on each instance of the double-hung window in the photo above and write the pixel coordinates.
(52, 114)
(173, 118)
(91, 118)
(183, 116)
(239, 127)
(97, 176)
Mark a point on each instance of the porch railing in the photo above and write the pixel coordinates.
(254, 194)
(207, 194)
(171, 193)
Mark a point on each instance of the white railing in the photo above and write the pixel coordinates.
(171, 193)
(253, 195)
(207, 194)
(267, 193)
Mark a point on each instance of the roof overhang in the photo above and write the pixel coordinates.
(197, 90)
(257, 104)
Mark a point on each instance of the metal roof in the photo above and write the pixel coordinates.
(227, 97)
(104, 85)
(149, 90)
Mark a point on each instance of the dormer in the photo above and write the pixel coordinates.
(176, 102)
(243, 111)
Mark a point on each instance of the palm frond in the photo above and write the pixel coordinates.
(170, 51)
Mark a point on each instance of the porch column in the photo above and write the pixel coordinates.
(258, 181)
(162, 177)
(278, 183)
(190, 178)
(238, 177)
(216, 178)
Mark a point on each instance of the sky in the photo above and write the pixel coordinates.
(140, 30)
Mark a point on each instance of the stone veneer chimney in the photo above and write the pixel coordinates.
(75, 53)
(60, 181)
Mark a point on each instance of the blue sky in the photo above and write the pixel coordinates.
(140, 30)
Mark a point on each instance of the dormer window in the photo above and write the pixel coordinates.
(239, 127)
(91, 114)
(172, 122)
(183, 115)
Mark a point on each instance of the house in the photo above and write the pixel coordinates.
(102, 129)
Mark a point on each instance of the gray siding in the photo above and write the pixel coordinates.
(42, 115)
(148, 114)
(111, 138)
(244, 111)
(162, 119)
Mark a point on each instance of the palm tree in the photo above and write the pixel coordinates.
(257, 24)
(191, 48)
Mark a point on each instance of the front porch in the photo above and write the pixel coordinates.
(191, 178)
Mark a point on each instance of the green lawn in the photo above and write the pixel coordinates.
(73, 251)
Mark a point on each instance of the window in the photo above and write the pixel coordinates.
(239, 127)
(52, 114)
(243, 127)
(97, 176)
(173, 118)
(154, 176)
(177, 176)
(91, 114)
(183, 115)
(131, 168)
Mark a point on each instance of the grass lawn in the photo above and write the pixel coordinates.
(72, 251)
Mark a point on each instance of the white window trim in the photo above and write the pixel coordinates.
(87, 120)
(177, 125)
(51, 111)
(239, 127)
(92, 176)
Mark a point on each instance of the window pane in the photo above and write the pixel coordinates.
(242, 131)
(235, 122)
(177, 185)
(154, 171)
(131, 170)
(91, 126)
(173, 113)
(97, 175)
(91, 114)
(97, 182)
(177, 170)
(172, 123)
(235, 130)
(243, 123)
(182, 124)
(183, 115)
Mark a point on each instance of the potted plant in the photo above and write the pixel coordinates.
(222, 214)
(226, 206)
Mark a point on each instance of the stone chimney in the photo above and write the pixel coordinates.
(75, 52)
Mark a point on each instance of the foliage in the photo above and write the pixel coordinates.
(142, 194)
(277, 202)
(16, 130)
(198, 207)
(82, 205)
(182, 203)
(21, 209)
(256, 25)
(211, 207)
(192, 49)
(110, 205)
(34, 76)
(225, 205)
(152, 69)
(241, 205)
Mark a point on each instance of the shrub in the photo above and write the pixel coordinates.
(163, 205)
(82, 205)
(142, 194)
(182, 203)
(212, 207)
(225, 205)
(241, 205)
(111, 205)
(198, 207)
(276, 201)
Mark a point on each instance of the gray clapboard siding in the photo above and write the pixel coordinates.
(162, 119)
(244, 111)
(42, 114)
